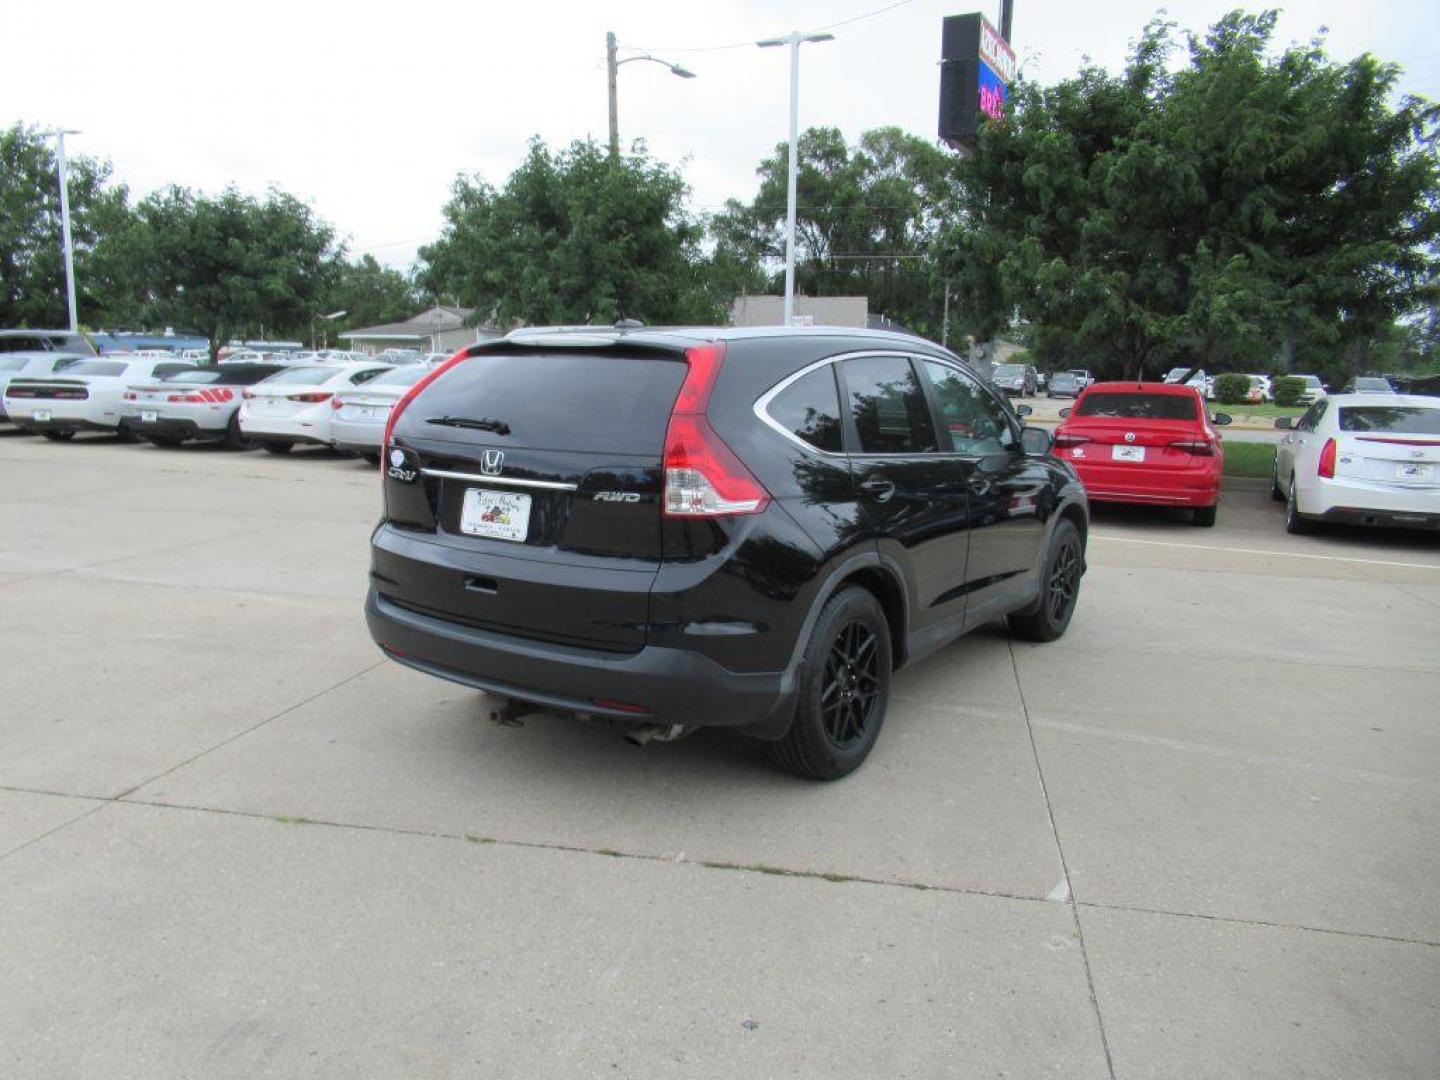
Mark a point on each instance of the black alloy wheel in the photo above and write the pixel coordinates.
(843, 686)
(1060, 577)
(851, 685)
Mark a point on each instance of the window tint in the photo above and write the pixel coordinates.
(1412, 420)
(1139, 406)
(810, 409)
(977, 423)
(888, 406)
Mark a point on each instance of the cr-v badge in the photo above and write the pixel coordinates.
(397, 469)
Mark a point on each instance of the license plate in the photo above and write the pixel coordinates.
(1127, 453)
(1413, 472)
(40, 414)
(148, 416)
(498, 515)
(364, 412)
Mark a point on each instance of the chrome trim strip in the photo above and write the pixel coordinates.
(512, 481)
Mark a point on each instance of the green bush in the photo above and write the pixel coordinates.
(1288, 390)
(1232, 389)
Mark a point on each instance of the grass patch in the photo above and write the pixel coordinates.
(1265, 409)
(285, 819)
(1249, 459)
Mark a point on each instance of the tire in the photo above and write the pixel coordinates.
(58, 436)
(1295, 523)
(1204, 516)
(126, 434)
(235, 439)
(844, 687)
(167, 441)
(371, 457)
(278, 447)
(1276, 491)
(1059, 588)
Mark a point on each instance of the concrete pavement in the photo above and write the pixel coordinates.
(1193, 838)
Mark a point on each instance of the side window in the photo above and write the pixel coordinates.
(975, 420)
(366, 375)
(1312, 416)
(809, 408)
(888, 406)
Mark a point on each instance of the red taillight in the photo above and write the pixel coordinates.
(1327, 460)
(410, 395)
(1064, 440)
(703, 477)
(130, 395)
(312, 398)
(204, 397)
(248, 394)
(336, 404)
(1201, 447)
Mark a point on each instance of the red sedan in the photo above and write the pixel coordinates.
(1148, 443)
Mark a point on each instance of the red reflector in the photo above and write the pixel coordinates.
(1327, 460)
(620, 706)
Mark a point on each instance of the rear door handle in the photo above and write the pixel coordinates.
(878, 486)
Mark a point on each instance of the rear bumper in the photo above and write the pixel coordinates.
(1361, 502)
(1104, 483)
(61, 424)
(171, 428)
(356, 436)
(674, 686)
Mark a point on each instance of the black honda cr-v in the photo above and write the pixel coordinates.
(675, 529)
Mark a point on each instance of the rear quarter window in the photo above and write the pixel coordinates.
(809, 408)
(602, 401)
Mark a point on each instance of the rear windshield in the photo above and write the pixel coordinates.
(1372, 384)
(602, 402)
(1138, 406)
(13, 363)
(193, 376)
(1410, 419)
(303, 375)
(96, 367)
(1062, 377)
(1010, 369)
(406, 376)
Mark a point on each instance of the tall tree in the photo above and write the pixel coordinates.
(865, 218)
(32, 268)
(1243, 206)
(574, 236)
(231, 265)
(371, 294)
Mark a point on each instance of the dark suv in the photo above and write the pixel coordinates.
(751, 528)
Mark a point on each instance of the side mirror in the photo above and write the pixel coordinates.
(1023, 410)
(1066, 411)
(1220, 418)
(1035, 441)
(1285, 423)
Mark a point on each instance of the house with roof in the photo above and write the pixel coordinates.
(441, 329)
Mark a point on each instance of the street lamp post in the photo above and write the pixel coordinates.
(612, 66)
(794, 39)
(66, 246)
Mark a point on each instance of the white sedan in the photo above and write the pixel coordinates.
(358, 425)
(1362, 459)
(30, 365)
(293, 406)
(83, 396)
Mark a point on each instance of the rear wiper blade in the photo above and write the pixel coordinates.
(499, 427)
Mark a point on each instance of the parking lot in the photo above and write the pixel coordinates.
(1197, 837)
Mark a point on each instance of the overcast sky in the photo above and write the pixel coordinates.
(369, 111)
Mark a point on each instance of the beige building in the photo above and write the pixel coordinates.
(851, 311)
(441, 329)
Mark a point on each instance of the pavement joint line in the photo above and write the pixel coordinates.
(1268, 924)
(1434, 568)
(1185, 746)
(709, 864)
(1064, 892)
(253, 727)
(51, 832)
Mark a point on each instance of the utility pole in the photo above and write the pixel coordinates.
(612, 69)
(945, 318)
(794, 39)
(66, 246)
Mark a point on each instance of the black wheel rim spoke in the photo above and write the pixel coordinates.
(851, 684)
(1064, 581)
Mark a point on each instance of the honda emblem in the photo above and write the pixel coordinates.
(492, 462)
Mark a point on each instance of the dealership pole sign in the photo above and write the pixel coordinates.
(977, 67)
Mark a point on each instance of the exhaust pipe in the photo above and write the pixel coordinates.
(643, 734)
